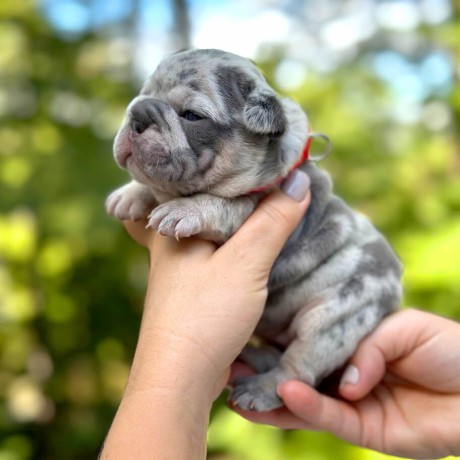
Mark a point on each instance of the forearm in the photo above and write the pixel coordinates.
(165, 408)
(157, 425)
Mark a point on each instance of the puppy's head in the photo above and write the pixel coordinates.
(207, 120)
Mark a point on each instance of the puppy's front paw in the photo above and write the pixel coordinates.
(256, 393)
(132, 201)
(179, 218)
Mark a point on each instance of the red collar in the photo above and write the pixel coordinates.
(303, 158)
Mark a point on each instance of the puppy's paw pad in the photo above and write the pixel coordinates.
(255, 393)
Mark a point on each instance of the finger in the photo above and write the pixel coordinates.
(280, 418)
(321, 412)
(158, 244)
(185, 251)
(138, 232)
(390, 342)
(275, 218)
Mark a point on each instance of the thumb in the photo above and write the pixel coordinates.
(385, 349)
(399, 349)
(274, 219)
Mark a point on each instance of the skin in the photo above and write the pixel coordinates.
(201, 307)
(406, 401)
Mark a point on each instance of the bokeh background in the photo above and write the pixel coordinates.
(379, 77)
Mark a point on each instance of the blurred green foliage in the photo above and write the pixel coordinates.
(71, 281)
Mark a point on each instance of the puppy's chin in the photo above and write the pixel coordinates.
(148, 162)
(149, 173)
(156, 166)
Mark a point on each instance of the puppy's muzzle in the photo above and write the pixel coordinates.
(147, 112)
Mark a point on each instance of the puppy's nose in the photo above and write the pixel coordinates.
(144, 114)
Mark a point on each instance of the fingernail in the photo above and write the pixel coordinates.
(350, 376)
(296, 185)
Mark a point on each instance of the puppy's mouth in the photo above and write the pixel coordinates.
(134, 152)
(151, 165)
(149, 161)
(124, 158)
(122, 147)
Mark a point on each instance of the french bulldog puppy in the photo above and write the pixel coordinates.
(203, 141)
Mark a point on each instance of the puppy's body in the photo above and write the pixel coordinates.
(207, 130)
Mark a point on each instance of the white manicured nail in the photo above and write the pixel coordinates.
(350, 376)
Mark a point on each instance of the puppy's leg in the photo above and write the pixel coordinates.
(133, 201)
(258, 392)
(315, 353)
(210, 217)
(310, 357)
(260, 359)
(325, 337)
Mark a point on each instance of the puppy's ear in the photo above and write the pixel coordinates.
(263, 113)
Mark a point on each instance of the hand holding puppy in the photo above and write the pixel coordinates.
(206, 301)
(202, 306)
(401, 391)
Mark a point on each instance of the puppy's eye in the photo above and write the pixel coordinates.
(191, 116)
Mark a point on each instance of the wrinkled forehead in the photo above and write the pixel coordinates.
(212, 83)
(201, 71)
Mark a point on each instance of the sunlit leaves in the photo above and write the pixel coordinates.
(72, 283)
(18, 234)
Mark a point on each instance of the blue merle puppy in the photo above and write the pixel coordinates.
(206, 132)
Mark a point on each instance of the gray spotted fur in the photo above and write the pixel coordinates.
(336, 277)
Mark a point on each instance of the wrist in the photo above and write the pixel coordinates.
(173, 366)
(165, 407)
(158, 420)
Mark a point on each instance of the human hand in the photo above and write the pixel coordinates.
(204, 302)
(401, 391)
(201, 307)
